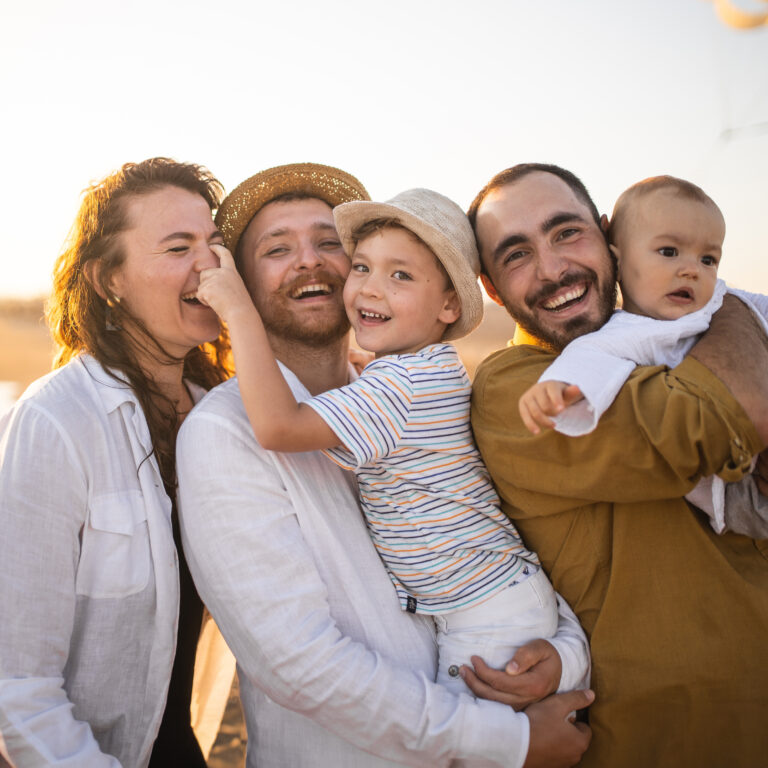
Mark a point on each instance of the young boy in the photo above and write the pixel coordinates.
(403, 426)
(667, 237)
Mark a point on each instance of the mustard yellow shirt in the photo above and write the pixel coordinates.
(677, 615)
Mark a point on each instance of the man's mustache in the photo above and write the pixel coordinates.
(332, 279)
(548, 291)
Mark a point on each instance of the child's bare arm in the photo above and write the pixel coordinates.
(278, 421)
(544, 400)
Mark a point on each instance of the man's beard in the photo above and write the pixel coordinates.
(559, 336)
(326, 325)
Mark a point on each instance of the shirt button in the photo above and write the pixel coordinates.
(453, 670)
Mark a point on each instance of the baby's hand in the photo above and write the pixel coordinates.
(545, 399)
(222, 288)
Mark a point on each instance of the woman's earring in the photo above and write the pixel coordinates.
(109, 323)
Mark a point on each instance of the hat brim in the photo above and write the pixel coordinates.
(351, 216)
(324, 182)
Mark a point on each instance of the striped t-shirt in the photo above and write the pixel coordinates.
(431, 509)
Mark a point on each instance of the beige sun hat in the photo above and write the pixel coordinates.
(444, 227)
(322, 181)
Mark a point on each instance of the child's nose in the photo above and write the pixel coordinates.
(371, 286)
(690, 268)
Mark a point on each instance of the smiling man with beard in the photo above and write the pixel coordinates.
(677, 615)
(332, 671)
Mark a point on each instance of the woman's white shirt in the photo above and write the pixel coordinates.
(88, 575)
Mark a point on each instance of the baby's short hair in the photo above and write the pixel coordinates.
(374, 226)
(681, 187)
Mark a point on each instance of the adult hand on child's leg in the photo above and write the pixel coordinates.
(531, 674)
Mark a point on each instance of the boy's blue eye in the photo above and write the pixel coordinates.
(669, 252)
(359, 268)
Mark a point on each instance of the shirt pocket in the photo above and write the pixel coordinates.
(115, 553)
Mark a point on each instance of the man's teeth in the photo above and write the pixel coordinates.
(190, 297)
(322, 288)
(373, 315)
(576, 293)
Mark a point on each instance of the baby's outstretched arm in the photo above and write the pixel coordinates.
(546, 399)
(278, 421)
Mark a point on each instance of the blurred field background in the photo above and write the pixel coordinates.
(27, 349)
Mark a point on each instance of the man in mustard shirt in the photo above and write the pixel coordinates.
(677, 615)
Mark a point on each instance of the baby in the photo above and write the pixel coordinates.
(667, 237)
(403, 426)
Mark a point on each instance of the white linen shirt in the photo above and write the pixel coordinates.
(330, 667)
(88, 575)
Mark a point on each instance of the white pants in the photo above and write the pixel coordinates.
(495, 629)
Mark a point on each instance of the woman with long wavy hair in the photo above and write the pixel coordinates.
(95, 597)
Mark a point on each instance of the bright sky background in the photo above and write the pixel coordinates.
(403, 93)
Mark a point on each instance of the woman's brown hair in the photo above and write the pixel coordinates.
(82, 321)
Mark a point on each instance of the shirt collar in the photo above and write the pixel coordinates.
(523, 337)
(113, 386)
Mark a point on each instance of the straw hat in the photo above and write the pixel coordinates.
(444, 227)
(246, 200)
